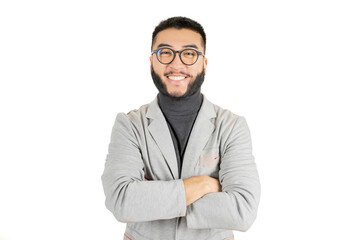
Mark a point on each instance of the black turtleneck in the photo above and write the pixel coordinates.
(180, 115)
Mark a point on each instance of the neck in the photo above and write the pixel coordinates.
(180, 106)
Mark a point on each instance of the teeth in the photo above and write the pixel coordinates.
(176, 78)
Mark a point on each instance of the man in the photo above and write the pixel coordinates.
(181, 167)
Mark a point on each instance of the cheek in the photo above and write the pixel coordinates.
(158, 67)
(198, 70)
(200, 64)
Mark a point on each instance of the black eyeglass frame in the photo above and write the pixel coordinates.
(174, 52)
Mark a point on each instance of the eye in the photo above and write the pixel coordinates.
(164, 52)
(189, 53)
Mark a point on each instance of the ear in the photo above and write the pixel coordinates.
(150, 62)
(205, 64)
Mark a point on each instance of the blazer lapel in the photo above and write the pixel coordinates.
(200, 134)
(159, 130)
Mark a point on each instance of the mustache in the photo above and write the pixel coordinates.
(192, 87)
(181, 72)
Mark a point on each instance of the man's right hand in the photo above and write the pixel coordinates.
(196, 187)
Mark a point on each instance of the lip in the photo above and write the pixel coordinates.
(176, 75)
(176, 81)
(176, 78)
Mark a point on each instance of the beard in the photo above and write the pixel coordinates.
(192, 87)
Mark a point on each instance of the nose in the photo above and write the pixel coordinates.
(177, 61)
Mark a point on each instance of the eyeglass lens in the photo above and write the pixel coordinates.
(187, 56)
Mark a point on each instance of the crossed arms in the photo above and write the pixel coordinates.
(228, 203)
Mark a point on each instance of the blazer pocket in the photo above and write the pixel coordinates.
(209, 163)
(128, 237)
(210, 158)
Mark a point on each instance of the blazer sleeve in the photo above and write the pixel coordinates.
(128, 196)
(234, 208)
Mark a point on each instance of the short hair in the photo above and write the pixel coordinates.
(179, 23)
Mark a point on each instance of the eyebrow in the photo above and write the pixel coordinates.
(185, 46)
(163, 45)
(191, 46)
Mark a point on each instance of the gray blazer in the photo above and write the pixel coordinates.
(141, 147)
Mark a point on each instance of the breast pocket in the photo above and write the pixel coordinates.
(209, 163)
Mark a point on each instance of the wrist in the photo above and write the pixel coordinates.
(211, 185)
(206, 184)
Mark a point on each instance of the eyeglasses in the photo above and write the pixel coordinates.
(187, 56)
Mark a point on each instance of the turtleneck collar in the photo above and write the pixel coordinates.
(180, 106)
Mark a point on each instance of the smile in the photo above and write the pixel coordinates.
(176, 78)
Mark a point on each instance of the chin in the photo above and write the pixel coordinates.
(193, 85)
(176, 94)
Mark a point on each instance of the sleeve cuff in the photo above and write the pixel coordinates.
(182, 198)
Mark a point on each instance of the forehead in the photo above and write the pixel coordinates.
(178, 38)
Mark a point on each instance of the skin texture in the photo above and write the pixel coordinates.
(178, 40)
(198, 186)
(192, 88)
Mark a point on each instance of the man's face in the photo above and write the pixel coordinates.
(176, 78)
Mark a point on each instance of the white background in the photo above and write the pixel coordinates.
(68, 67)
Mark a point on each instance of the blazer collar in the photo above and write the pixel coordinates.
(201, 131)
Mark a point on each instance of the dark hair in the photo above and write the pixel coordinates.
(179, 23)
